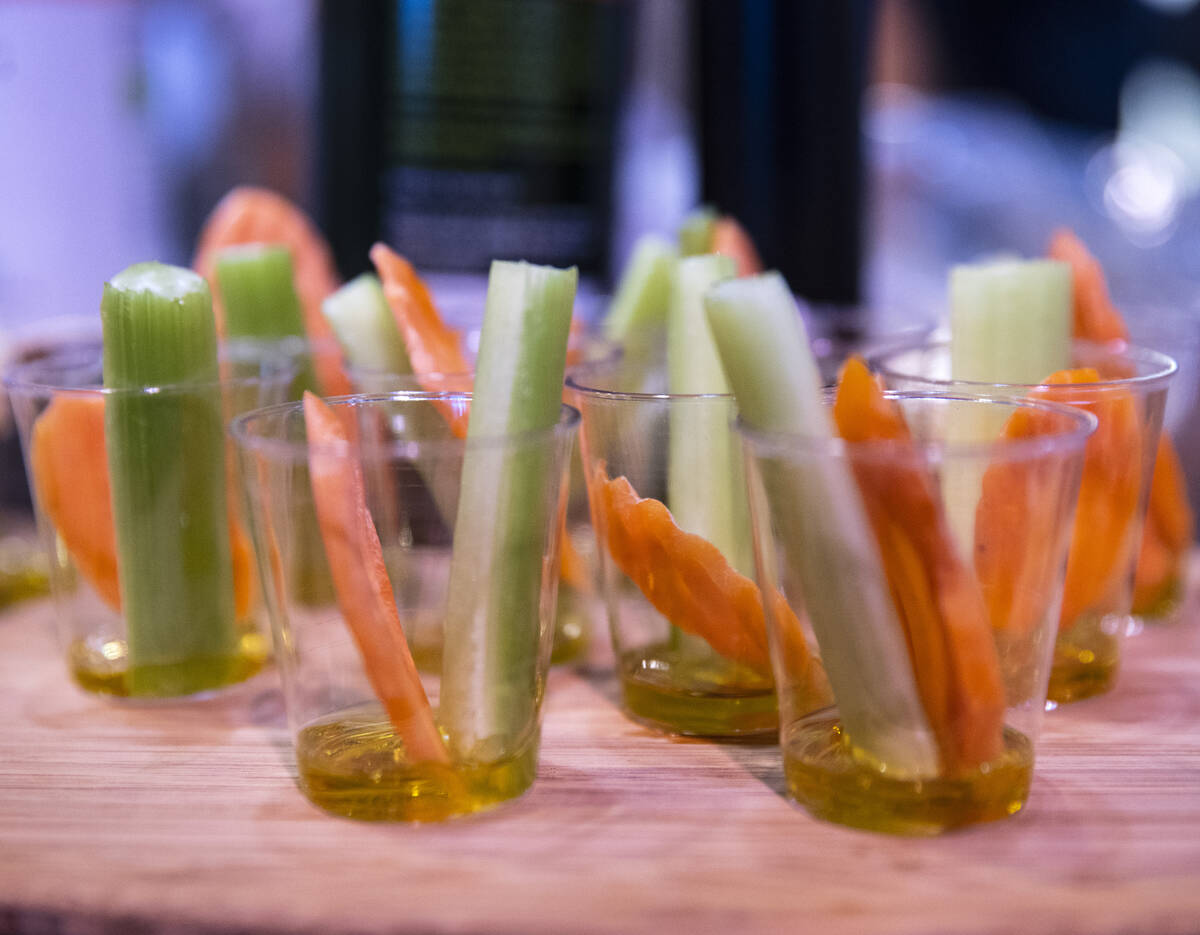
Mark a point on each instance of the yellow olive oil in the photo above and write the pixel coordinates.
(353, 764)
(102, 666)
(669, 687)
(827, 777)
(1085, 660)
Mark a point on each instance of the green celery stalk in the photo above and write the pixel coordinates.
(821, 524)
(705, 482)
(492, 632)
(166, 457)
(696, 232)
(365, 328)
(1010, 322)
(258, 292)
(639, 309)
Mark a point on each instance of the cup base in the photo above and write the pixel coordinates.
(1164, 607)
(100, 665)
(706, 697)
(829, 781)
(352, 764)
(571, 628)
(1085, 662)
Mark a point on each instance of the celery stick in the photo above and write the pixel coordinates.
(639, 308)
(696, 232)
(705, 482)
(258, 291)
(166, 456)
(821, 526)
(1010, 322)
(367, 332)
(493, 610)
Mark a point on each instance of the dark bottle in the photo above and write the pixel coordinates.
(780, 93)
(464, 130)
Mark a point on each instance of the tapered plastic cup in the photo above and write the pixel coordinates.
(911, 665)
(412, 637)
(1128, 401)
(667, 491)
(198, 623)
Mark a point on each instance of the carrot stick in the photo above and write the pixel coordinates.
(730, 238)
(1093, 314)
(687, 579)
(1169, 526)
(1017, 530)
(364, 593)
(433, 347)
(939, 602)
(256, 215)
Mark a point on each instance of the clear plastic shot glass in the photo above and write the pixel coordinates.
(666, 486)
(152, 575)
(380, 535)
(1128, 401)
(912, 590)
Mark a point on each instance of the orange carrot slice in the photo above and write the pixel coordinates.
(1094, 317)
(684, 576)
(1168, 532)
(1106, 511)
(257, 215)
(364, 593)
(70, 473)
(730, 238)
(936, 596)
(433, 347)
(1017, 529)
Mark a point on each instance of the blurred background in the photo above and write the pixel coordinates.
(866, 144)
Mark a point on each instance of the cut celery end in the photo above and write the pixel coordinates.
(365, 328)
(166, 456)
(1010, 322)
(821, 525)
(257, 287)
(696, 232)
(492, 641)
(639, 308)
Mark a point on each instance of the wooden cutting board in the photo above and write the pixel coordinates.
(118, 818)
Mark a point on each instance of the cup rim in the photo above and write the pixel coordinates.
(573, 384)
(21, 379)
(774, 443)
(296, 450)
(1166, 368)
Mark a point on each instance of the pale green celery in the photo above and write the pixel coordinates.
(705, 481)
(257, 286)
(365, 328)
(638, 313)
(166, 457)
(821, 526)
(1010, 322)
(696, 232)
(504, 516)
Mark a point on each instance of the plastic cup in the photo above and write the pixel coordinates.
(489, 613)
(225, 640)
(1128, 401)
(912, 669)
(672, 678)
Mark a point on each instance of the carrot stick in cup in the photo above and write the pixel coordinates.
(364, 593)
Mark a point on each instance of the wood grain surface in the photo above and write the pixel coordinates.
(117, 818)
